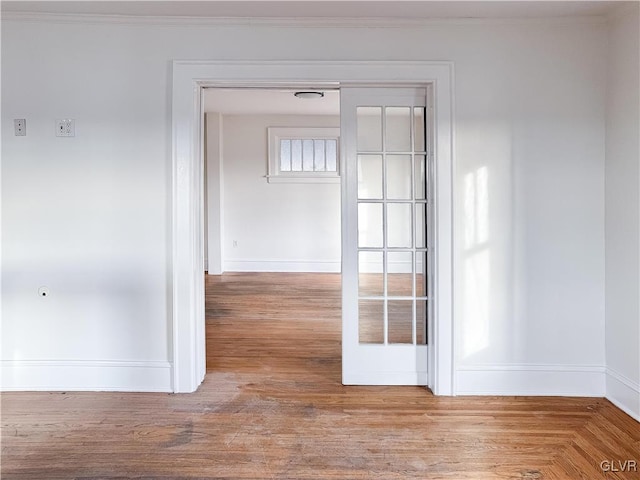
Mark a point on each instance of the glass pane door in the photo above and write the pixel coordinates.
(386, 255)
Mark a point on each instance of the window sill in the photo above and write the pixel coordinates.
(302, 179)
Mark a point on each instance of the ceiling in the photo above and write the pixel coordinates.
(416, 9)
(273, 102)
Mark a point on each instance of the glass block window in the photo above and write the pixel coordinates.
(303, 154)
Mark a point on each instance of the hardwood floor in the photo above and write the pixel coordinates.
(272, 407)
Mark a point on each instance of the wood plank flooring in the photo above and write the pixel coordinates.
(272, 407)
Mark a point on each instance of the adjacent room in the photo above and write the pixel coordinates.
(272, 249)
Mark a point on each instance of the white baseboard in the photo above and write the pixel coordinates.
(55, 375)
(623, 393)
(317, 266)
(332, 266)
(535, 380)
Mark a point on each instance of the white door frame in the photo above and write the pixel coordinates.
(187, 222)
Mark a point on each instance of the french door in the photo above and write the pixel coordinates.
(387, 247)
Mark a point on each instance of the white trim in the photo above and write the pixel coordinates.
(310, 178)
(364, 22)
(441, 331)
(321, 22)
(189, 77)
(623, 393)
(314, 266)
(187, 224)
(57, 375)
(453, 354)
(531, 379)
(277, 265)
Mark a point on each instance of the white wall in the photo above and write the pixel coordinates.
(214, 195)
(279, 227)
(275, 226)
(622, 187)
(89, 216)
(529, 214)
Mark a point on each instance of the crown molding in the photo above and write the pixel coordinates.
(293, 22)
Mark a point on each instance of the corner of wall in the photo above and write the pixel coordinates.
(622, 210)
(623, 393)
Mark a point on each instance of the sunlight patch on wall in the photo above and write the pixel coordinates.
(476, 262)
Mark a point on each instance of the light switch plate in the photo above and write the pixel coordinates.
(20, 126)
(65, 127)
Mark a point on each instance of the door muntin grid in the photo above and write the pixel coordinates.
(393, 185)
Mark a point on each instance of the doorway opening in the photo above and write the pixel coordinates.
(275, 175)
(272, 245)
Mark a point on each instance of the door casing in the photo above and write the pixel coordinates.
(187, 206)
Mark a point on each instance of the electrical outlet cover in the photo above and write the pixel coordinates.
(65, 127)
(20, 126)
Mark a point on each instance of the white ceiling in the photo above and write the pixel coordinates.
(273, 102)
(416, 9)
